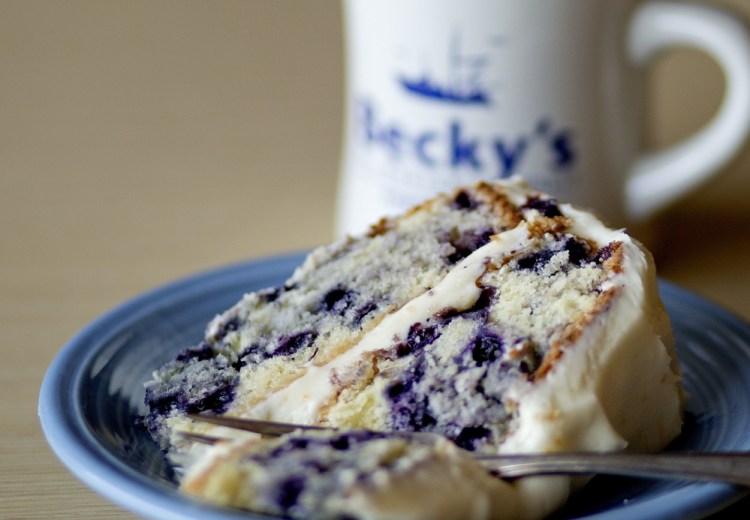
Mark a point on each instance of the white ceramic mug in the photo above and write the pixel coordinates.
(444, 92)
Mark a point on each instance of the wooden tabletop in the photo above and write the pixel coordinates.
(141, 142)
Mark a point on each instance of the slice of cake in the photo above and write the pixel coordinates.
(494, 316)
(357, 474)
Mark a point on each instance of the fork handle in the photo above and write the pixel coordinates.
(732, 467)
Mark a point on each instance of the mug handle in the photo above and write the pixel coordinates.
(659, 178)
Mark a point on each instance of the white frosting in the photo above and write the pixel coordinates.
(455, 487)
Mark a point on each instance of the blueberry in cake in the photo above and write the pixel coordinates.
(495, 316)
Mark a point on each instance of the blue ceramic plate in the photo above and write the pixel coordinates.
(93, 393)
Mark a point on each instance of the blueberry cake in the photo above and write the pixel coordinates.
(494, 316)
(354, 474)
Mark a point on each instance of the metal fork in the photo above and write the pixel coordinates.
(732, 467)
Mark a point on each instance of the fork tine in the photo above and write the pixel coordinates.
(270, 428)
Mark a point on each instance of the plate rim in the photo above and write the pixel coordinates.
(80, 452)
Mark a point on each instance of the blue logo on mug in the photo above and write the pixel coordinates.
(462, 84)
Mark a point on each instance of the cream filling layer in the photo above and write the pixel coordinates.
(300, 401)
